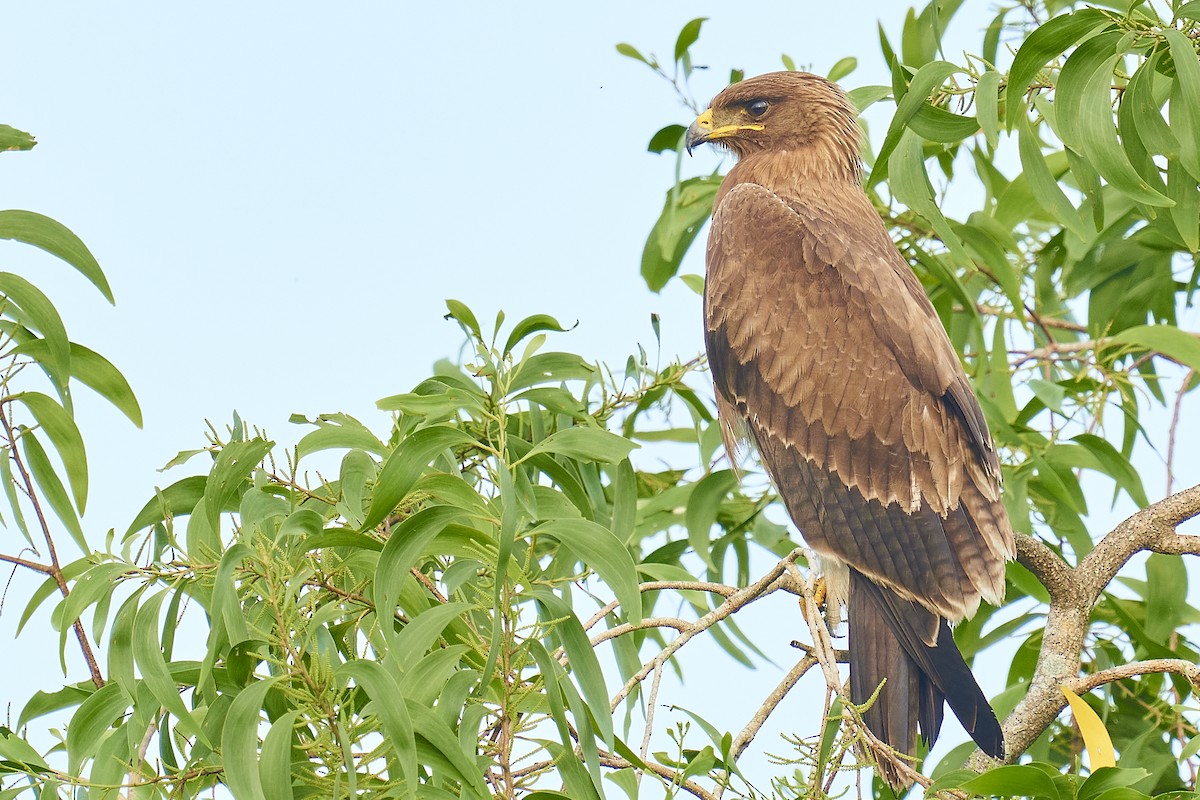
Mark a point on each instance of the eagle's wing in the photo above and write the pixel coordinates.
(819, 335)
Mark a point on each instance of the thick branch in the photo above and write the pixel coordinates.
(1152, 528)
(1047, 566)
(1073, 592)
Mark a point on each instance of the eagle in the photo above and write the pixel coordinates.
(826, 352)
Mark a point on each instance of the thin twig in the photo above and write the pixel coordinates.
(55, 567)
(742, 597)
(1175, 414)
(752, 727)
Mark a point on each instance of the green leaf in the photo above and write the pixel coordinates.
(583, 662)
(842, 68)
(13, 139)
(939, 125)
(987, 106)
(1013, 781)
(864, 97)
(463, 315)
(599, 549)
(928, 78)
(35, 311)
(586, 444)
(574, 777)
(1185, 99)
(404, 466)
(389, 705)
(702, 508)
(52, 488)
(1116, 466)
(1145, 111)
(177, 499)
(94, 716)
(1051, 394)
(537, 322)
(228, 478)
(1172, 342)
(1087, 125)
(1166, 599)
(423, 631)
(1046, 191)
(148, 656)
(687, 207)
(1106, 778)
(667, 139)
(60, 428)
(404, 550)
(337, 431)
(1046, 42)
(239, 741)
(275, 764)
(56, 239)
(93, 585)
(688, 37)
(429, 726)
(92, 370)
(624, 502)
(226, 607)
(14, 748)
(629, 51)
(911, 186)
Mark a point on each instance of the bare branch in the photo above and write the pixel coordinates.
(1175, 414)
(1047, 566)
(681, 625)
(654, 586)
(1151, 528)
(651, 705)
(747, 734)
(764, 586)
(1175, 666)
(45, 569)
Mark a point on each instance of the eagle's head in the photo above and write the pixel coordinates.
(779, 111)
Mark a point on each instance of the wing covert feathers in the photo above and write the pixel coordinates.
(822, 341)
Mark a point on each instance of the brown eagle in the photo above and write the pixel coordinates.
(824, 346)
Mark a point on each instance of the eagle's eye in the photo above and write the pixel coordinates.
(756, 108)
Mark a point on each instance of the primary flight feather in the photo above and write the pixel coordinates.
(824, 346)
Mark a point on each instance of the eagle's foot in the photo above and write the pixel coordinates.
(820, 593)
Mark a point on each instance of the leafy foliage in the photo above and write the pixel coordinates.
(481, 602)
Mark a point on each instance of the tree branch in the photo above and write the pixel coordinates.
(1073, 593)
(752, 727)
(54, 567)
(742, 597)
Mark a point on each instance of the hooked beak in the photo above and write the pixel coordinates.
(702, 131)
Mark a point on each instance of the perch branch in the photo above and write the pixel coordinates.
(1073, 593)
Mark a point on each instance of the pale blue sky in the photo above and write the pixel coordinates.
(282, 195)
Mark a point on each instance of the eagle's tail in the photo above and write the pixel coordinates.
(913, 649)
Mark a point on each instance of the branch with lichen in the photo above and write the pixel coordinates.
(1073, 593)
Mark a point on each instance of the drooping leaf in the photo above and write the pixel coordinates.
(1095, 735)
(56, 239)
(62, 432)
(1046, 42)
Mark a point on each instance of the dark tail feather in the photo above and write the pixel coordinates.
(914, 650)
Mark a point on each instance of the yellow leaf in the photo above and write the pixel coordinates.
(1095, 738)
